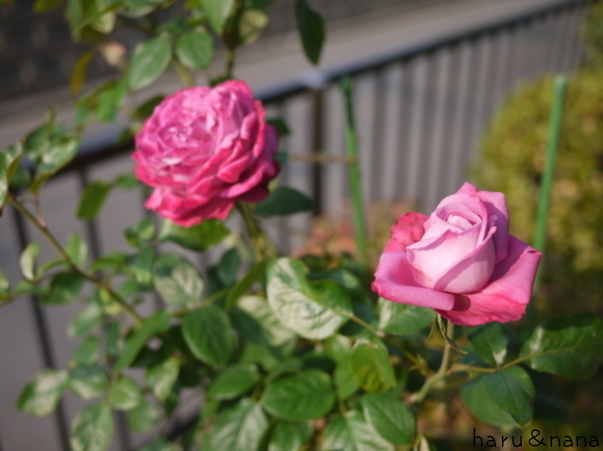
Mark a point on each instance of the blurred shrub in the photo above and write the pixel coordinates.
(512, 161)
(592, 33)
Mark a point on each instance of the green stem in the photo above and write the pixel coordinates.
(547, 176)
(354, 172)
(259, 242)
(230, 59)
(442, 371)
(43, 229)
(367, 326)
(184, 73)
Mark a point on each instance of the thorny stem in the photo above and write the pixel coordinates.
(74, 266)
(441, 373)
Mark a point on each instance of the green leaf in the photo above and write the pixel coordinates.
(490, 343)
(248, 328)
(42, 395)
(88, 382)
(311, 29)
(87, 352)
(149, 61)
(314, 310)
(113, 341)
(302, 396)
(351, 432)
(78, 74)
(177, 281)
(403, 319)
(28, 260)
(229, 266)
(160, 444)
(568, 346)
(77, 249)
(239, 428)
(217, 12)
(276, 333)
(46, 5)
(141, 267)
(110, 100)
(209, 334)
(255, 273)
(195, 48)
(92, 199)
(162, 377)
(512, 390)
(478, 399)
(284, 201)
(371, 366)
(234, 381)
(143, 417)
(280, 125)
(125, 394)
(196, 238)
(289, 436)
(21, 179)
(92, 428)
(344, 378)
(85, 321)
(391, 418)
(140, 233)
(251, 24)
(155, 324)
(9, 162)
(64, 289)
(60, 152)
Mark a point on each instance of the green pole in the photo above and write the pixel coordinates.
(351, 139)
(549, 169)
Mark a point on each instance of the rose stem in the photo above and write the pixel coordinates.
(547, 181)
(256, 235)
(354, 171)
(74, 267)
(441, 373)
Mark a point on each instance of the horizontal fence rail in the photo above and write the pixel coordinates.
(420, 109)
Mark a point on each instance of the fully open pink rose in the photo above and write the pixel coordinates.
(460, 261)
(203, 149)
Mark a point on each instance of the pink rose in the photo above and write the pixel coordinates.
(203, 149)
(460, 261)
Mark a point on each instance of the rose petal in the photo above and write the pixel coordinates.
(507, 294)
(496, 205)
(472, 272)
(394, 282)
(433, 257)
(407, 230)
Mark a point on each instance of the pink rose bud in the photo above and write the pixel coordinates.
(460, 261)
(203, 149)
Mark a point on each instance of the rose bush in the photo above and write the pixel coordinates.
(460, 260)
(203, 149)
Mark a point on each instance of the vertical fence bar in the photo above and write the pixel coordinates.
(43, 336)
(417, 118)
(317, 121)
(441, 94)
(378, 139)
(466, 53)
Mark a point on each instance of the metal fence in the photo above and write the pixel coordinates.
(419, 112)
